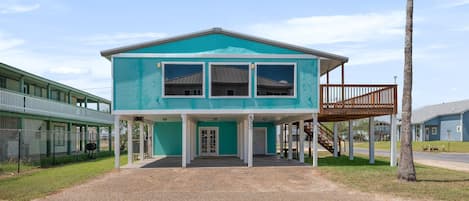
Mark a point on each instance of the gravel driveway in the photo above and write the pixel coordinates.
(223, 183)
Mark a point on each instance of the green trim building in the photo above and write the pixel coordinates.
(48, 117)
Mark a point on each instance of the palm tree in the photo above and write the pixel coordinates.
(406, 170)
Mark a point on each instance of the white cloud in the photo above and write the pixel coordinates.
(68, 70)
(453, 3)
(17, 8)
(334, 28)
(121, 38)
(8, 42)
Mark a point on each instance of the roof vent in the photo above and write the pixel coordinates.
(217, 29)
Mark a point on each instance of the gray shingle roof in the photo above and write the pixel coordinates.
(429, 112)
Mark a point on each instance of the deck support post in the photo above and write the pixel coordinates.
(250, 139)
(371, 140)
(246, 142)
(422, 129)
(393, 160)
(184, 140)
(116, 142)
(301, 130)
(413, 127)
(141, 147)
(282, 130)
(315, 139)
(130, 149)
(336, 139)
(290, 141)
(350, 139)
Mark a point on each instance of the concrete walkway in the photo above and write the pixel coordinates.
(452, 161)
(229, 183)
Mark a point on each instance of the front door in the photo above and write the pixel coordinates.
(208, 142)
(259, 139)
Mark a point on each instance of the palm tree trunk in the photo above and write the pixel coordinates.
(406, 170)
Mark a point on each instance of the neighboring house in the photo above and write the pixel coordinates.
(382, 131)
(446, 122)
(223, 93)
(50, 116)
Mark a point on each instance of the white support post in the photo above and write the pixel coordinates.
(241, 140)
(250, 140)
(130, 149)
(393, 160)
(336, 140)
(413, 127)
(371, 140)
(194, 139)
(184, 140)
(150, 138)
(281, 139)
(350, 140)
(315, 139)
(116, 142)
(238, 140)
(246, 131)
(302, 140)
(290, 141)
(188, 141)
(141, 148)
(422, 129)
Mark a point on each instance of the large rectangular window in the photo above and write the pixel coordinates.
(275, 80)
(183, 79)
(229, 80)
(3, 82)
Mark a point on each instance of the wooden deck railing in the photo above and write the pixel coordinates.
(337, 96)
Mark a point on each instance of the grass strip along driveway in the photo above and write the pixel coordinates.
(433, 183)
(45, 181)
(443, 146)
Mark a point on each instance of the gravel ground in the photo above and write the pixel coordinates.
(225, 183)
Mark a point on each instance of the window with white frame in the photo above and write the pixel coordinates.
(229, 80)
(275, 80)
(183, 79)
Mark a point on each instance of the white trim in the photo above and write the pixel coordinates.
(280, 64)
(216, 111)
(228, 63)
(192, 55)
(217, 137)
(163, 95)
(265, 140)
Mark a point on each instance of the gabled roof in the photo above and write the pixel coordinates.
(329, 61)
(429, 112)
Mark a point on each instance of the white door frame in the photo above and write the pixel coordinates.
(265, 138)
(217, 138)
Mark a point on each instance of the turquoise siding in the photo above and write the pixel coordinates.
(137, 86)
(215, 43)
(167, 138)
(227, 134)
(271, 136)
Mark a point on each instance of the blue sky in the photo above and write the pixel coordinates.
(61, 40)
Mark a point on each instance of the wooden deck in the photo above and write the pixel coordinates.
(340, 102)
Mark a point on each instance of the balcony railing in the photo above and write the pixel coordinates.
(17, 102)
(356, 97)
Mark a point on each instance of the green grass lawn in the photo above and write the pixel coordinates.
(433, 183)
(461, 147)
(48, 180)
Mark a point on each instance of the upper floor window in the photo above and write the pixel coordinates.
(3, 82)
(275, 80)
(229, 80)
(183, 79)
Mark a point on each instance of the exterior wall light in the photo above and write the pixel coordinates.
(253, 66)
(158, 64)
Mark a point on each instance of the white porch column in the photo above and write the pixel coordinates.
(188, 141)
(282, 126)
(422, 132)
(250, 140)
(371, 140)
(117, 150)
(194, 132)
(141, 147)
(150, 139)
(413, 127)
(336, 140)
(238, 140)
(246, 143)
(130, 149)
(241, 140)
(315, 139)
(393, 160)
(350, 140)
(302, 140)
(290, 139)
(184, 140)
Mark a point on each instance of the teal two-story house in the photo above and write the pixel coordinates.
(217, 92)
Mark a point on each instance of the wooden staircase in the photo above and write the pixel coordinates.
(325, 137)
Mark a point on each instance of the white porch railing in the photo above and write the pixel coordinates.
(17, 102)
